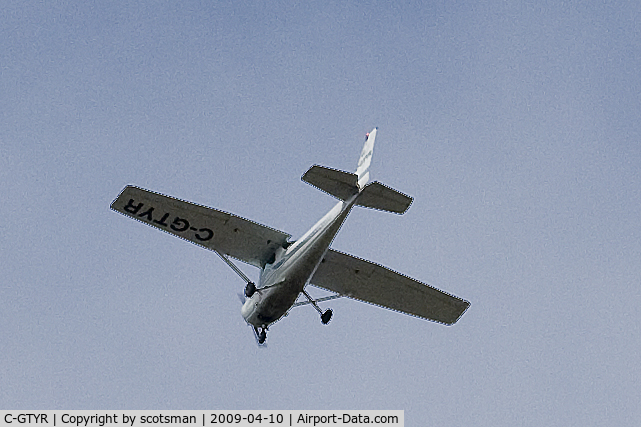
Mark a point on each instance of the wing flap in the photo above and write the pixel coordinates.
(232, 235)
(372, 283)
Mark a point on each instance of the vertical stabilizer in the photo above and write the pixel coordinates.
(366, 158)
(345, 185)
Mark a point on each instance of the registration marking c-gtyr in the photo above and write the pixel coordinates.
(178, 224)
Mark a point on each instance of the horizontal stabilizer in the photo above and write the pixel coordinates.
(379, 196)
(339, 184)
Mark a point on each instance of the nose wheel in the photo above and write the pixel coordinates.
(261, 335)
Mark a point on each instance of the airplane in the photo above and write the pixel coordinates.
(286, 266)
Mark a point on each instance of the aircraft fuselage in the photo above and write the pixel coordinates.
(282, 281)
(287, 267)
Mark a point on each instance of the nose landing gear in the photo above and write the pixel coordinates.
(261, 334)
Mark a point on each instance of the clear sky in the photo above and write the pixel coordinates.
(516, 127)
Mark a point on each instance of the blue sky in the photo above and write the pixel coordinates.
(514, 125)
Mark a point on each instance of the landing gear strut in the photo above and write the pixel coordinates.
(325, 316)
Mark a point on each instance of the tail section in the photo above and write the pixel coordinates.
(345, 185)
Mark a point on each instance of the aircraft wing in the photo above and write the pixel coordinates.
(372, 283)
(239, 238)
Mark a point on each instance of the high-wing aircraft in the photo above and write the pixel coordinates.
(286, 266)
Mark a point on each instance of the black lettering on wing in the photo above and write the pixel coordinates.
(208, 234)
(162, 220)
(129, 207)
(147, 214)
(179, 224)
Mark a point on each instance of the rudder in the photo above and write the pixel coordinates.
(362, 171)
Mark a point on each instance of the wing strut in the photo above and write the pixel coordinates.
(331, 297)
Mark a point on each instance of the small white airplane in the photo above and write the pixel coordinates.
(286, 267)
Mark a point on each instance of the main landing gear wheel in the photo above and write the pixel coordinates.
(326, 317)
(250, 289)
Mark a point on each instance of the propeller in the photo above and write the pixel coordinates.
(241, 297)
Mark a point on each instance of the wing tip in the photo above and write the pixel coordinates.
(465, 304)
